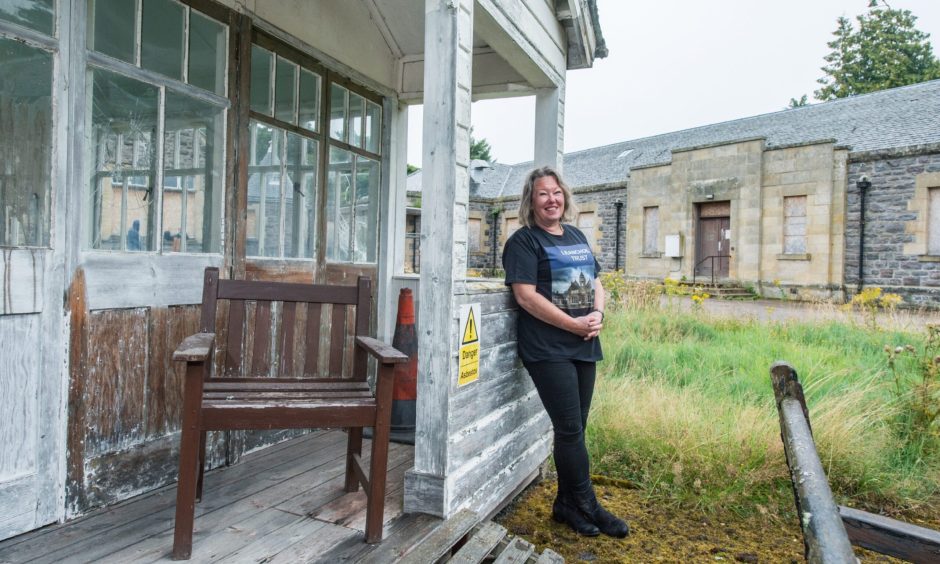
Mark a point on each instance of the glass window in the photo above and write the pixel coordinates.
(650, 230)
(309, 105)
(373, 127)
(38, 15)
(794, 225)
(207, 53)
(161, 43)
(264, 191)
(413, 243)
(193, 169)
(356, 111)
(339, 198)
(366, 210)
(285, 90)
(121, 141)
(338, 112)
(261, 66)
(301, 191)
(933, 222)
(25, 144)
(111, 28)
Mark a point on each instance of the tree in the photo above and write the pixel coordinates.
(886, 51)
(412, 168)
(794, 103)
(480, 149)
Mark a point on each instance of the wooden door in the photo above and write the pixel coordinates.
(713, 241)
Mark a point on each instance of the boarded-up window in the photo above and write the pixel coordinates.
(510, 226)
(586, 225)
(794, 225)
(650, 230)
(474, 233)
(933, 223)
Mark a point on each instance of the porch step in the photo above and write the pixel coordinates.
(723, 290)
(462, 539)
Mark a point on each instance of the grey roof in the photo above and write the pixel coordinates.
(900, 117)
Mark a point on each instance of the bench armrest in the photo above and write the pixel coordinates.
(386, 354)
(195, 348)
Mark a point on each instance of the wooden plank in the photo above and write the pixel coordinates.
(277, 291)
(286, 339)
(142, 516)
(22, 280)
(469, 442)
(129, 280)
(194, 348)
(517, 552)
(442, 540)
(401, 535)
(386, 354)
(480, 544)
(312, 348)
(890, 536)
(233, 343)
(169, 326)
(311, 547)
(261, 352)
(271, 530)
(78, 344)
(488, 395)
(337, 337)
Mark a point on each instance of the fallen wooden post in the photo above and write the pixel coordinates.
(824, 536)
(890, 536)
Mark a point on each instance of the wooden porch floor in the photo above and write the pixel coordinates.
(283, 504)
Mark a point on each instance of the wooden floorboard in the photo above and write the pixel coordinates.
(271, 507)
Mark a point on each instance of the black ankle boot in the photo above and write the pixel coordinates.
(565, 512)
(608, 523)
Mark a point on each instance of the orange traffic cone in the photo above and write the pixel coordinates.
(405, 390)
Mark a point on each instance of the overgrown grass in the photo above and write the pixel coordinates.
(684, 408)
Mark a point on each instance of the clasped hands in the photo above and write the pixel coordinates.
(588, 326)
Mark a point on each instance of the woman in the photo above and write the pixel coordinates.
(553, 275)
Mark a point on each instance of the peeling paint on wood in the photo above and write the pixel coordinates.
(22, 276)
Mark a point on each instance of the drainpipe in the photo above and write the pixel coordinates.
(863, 185)
(619, 205)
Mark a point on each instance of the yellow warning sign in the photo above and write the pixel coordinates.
(469, 353)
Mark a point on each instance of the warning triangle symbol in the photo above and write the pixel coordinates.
(470, 331)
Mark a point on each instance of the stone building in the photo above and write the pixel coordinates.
(772, 202)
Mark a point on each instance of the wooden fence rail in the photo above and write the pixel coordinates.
(830, 530)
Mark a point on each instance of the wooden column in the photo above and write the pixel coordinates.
(447, 81)
(550, 127)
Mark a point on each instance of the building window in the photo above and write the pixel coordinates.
(413, 243)
(586, 225)
(933, 222)
(794, 225)
(25, 138)
(156, 146)
(650, 230)
(474, 234)
(510, 226)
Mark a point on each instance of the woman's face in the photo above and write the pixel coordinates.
(548, 201)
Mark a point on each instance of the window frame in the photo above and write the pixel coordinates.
(654, 240)
(785, 225)
(94, 60)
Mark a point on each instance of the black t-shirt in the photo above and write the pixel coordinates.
(563, 270)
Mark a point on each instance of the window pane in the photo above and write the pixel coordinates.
(285, 90)
(309, 111)
(373, 127)
(34, 14)
(338, 112)
(356, 109)
(366, 210)
(339, 198)
(121, 144)
(207, 57)
(111, 28)
(161, 44)
(264, 191)
(301, 165)
(25, 144)
(193, 171)
(261, 80)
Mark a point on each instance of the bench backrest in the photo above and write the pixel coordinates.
(286, 330)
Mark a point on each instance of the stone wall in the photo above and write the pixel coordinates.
(895, 252)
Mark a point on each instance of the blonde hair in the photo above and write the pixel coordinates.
(526, 213)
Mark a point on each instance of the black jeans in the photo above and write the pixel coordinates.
(565, 388)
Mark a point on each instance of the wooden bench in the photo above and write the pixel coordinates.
(280, 370)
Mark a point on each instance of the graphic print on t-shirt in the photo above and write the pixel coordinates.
(572, 276)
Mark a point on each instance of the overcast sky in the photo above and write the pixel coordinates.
(676, 64)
